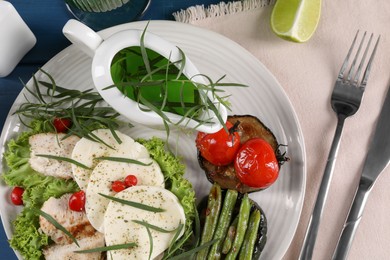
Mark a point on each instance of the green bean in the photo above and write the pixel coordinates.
(248, 245)
(223, 223)
(231, 233)
(212, 213)
(242, 225)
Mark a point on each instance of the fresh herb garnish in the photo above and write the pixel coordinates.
(189, 253)
(158, 84)
(107, 248)
(156, 228)
(123, 160)
(107, 158)
(65, 159)
(150, 242)
(178, 230)
(46, 101)
(134, 204)
(176, 244)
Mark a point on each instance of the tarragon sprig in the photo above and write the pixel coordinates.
(45, 100)
(158, 72)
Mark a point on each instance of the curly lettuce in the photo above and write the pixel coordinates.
(27, 238)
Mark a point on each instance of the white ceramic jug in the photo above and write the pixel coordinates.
(103, 52)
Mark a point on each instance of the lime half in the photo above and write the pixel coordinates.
(295, 20)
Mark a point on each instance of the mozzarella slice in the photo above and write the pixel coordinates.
(87, 150)
(119, 227)
(107, 172)
(52, 144)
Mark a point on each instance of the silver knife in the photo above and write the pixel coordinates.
(377, 159)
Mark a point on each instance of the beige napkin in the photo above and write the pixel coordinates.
(307, 72)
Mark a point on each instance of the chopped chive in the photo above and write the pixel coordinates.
(143, 50)
(156, 228)
(151, 242)
(134, 204)
(107, 248)
(39, 95)
(115, 135)
(55, 224)
(124, 160)
(177, 234)
(194, 250)
(177, 245)
(65, 159)
(54, 89)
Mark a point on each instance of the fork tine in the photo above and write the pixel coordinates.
(355, 81)
(346, 61)
(351, 70)
(368, 68)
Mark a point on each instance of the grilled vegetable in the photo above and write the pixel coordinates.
(248, 245)
(242, 225)
(228, 242)
(211, 219)
(223, 223)
(256, 164)
(248, 127)
(221, 147)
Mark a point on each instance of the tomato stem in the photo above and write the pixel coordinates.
(234, 128)
(281, 157)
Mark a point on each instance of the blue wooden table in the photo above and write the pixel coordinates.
(46, 19)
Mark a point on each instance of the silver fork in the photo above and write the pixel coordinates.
(346, 98)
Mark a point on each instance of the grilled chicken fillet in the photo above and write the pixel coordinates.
(75, 222)
(56, 252)
(52, 144)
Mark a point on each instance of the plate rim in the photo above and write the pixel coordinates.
(106, 32)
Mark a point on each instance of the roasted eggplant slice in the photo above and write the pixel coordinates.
(249, 127)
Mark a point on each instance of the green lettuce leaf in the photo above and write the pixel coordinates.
(27, 238)
(38, 188)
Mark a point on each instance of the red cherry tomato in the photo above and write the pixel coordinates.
(62, 124)
(218, 148)
(17, 196)
(256, 164)
(118, 186)
(77, 201)
(131, 180)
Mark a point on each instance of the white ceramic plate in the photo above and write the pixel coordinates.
(215, 56)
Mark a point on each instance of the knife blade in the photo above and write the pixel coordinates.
(376, 161)
(378, 156)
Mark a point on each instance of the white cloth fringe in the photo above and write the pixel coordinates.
(199, 12)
